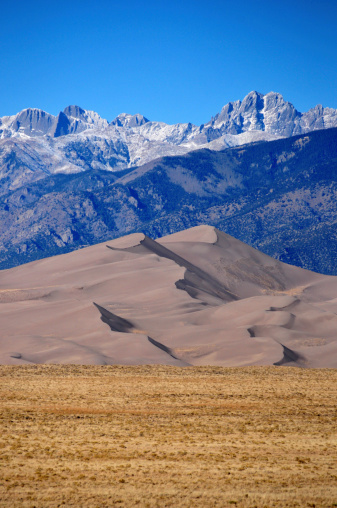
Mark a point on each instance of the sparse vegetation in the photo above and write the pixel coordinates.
(166, 436)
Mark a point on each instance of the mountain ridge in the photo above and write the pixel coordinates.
(251, 114)
(278, 196)
(80, 139)
(35, 144)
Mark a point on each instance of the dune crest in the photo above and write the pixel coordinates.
(198, 297)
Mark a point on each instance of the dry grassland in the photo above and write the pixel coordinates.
(166, 436)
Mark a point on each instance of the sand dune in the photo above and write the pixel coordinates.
(198, 297)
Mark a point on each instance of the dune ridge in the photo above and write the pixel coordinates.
(197, 297)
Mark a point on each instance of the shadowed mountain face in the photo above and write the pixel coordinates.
(280, 197)
(198, 297)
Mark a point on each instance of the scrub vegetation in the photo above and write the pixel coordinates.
(166, 436)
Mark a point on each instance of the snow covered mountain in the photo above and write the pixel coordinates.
(269, 113)
(125, 120)
(37, 144)
(34, 122)
(279, 196)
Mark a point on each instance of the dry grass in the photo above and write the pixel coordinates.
(164, 436)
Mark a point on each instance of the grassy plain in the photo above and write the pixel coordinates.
(166, 436)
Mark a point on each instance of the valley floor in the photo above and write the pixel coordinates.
(167, 436)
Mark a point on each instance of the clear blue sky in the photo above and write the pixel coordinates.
(175, 61)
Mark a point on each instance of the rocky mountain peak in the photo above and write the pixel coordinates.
(83, 119)
(252, 100)
(256, 117)
(276, 100)
(33, 120)
(258, 112)
(75, 111)
(126, 120)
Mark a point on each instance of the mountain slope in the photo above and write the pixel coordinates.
(278, 196)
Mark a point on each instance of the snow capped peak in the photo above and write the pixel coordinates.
(126, 120)
(83, 119)
(253, 96)
(35, 122)
(258, 112)
(83, 114)
(256, 116)
(274, 94)
(276, 100)
(319, 108)
(96, 119)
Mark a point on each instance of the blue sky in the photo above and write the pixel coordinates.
(174, 61)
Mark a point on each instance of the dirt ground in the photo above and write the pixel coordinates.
(167, 436)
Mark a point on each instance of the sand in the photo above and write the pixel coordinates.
(198, 297)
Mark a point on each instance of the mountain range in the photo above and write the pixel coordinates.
(279, 196)
(74, 180)
(34, 144)
(269, 113)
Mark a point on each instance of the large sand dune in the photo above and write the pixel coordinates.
(198, 297)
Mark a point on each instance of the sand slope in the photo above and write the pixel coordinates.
(198, 297)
